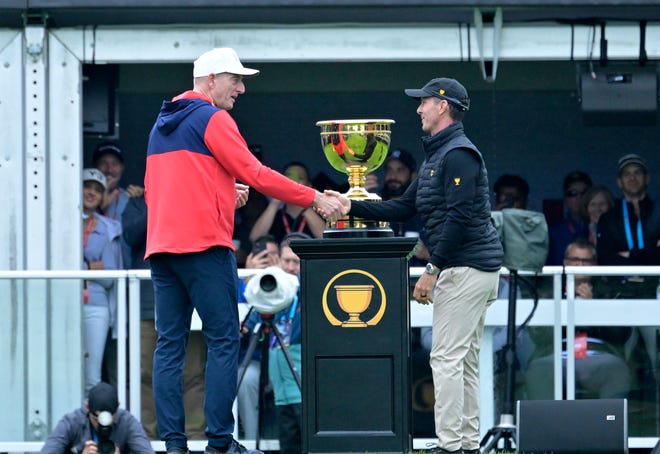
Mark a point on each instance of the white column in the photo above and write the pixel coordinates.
(35, 192)
(12, 235)
(64, 194)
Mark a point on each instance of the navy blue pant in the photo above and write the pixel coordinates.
(206, 281)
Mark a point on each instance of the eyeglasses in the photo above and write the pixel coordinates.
(573, 193)
(580, 260)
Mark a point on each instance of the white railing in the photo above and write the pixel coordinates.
(556, 312)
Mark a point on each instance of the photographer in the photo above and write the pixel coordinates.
(100, 427)
(265, 252)
(273, 293)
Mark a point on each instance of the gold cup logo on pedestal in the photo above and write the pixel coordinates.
(354, 299)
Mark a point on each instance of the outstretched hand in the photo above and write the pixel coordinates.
(345, 201)
(329, 206)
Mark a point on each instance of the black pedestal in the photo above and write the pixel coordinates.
(355, 367)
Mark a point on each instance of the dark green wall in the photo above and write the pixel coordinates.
(528, 122)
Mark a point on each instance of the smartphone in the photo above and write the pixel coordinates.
(258, 246)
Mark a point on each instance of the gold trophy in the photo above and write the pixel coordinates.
(356, 147)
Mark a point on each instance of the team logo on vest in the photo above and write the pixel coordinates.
(354, 294)
(457, 181)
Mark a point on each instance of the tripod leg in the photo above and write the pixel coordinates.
(254, 340)
(505, 431)
(263, 374)
(287, 356)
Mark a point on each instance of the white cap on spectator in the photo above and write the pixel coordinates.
(91, 174)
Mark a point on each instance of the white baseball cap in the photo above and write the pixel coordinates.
(91, 174)
(221, 60)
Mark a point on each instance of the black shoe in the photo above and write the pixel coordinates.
(472, 451)
(233, 448)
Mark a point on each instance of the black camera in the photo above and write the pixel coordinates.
(104, 431)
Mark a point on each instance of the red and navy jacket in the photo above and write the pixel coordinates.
(194, 157)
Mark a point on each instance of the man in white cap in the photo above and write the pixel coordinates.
(194, 157)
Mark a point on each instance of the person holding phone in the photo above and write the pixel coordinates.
(511, 191)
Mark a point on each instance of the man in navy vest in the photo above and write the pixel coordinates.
(451, 196)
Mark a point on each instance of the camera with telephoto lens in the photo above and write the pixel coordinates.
(270, 290)
(104, 431)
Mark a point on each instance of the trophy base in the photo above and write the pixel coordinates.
(358, 232)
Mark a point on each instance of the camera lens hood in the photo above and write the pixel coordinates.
(270, 290)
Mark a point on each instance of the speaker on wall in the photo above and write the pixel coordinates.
(619, 95)
(99, 94)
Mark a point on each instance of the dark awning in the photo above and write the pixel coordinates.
(68, 13)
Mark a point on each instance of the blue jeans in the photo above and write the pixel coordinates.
(206, 281)
(96, 324)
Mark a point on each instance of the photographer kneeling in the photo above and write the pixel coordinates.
(100, 427)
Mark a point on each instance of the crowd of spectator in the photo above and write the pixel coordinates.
(595, 228)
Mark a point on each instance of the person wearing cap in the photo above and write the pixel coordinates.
(195, 155)
(78, 431)
(451, 195)
(574, 224)
(628, 233)
(101, 251)
(400, 169)
(109, 159)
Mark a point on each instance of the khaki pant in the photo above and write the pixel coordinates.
(193, 382)
(460, 299)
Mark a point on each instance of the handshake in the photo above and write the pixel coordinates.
(331, 205)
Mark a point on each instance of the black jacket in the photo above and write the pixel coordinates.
(612, 236)
(451, 196)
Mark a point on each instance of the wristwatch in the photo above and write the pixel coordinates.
(432, 269)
